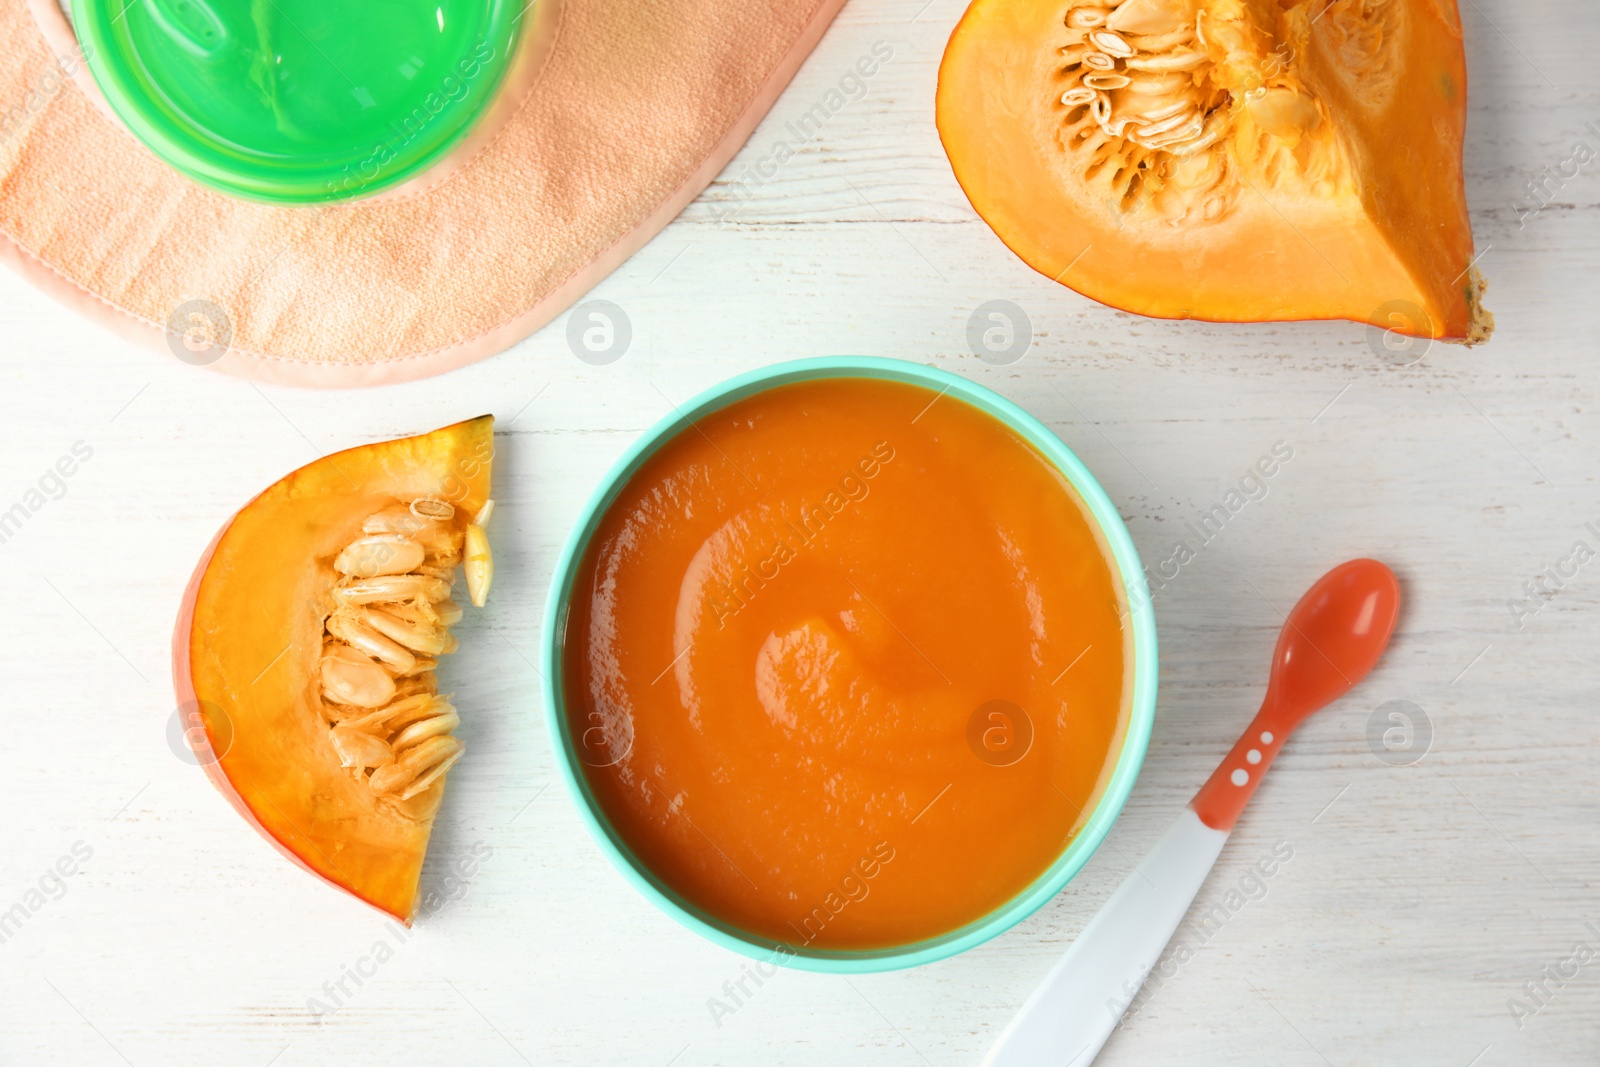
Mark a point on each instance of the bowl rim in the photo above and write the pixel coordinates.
(1142, 702)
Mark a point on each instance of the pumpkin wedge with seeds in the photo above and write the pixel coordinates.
(306, 648)
(1229, 160)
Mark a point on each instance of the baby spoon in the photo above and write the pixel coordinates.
(1329, 642)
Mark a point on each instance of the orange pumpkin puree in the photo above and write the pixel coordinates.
(845, 664)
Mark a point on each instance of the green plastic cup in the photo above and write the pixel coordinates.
(299, 101)
(1124, 558)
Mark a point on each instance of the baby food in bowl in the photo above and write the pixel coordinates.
(844, 667)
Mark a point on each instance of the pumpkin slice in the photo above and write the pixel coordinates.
(1229, 160)
(306, 649)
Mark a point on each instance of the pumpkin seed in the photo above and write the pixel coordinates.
(1105, 81)
(380, 554)
(350, 677)
(1110, 43)
(1150, 16)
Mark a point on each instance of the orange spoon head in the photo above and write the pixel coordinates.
(1333, 637)
(1330, 641)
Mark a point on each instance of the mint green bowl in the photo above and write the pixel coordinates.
(1135, 739)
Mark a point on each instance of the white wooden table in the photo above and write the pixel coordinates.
(1419, 899)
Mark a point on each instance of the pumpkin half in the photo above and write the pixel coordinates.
(306, 645)
(1228, 160)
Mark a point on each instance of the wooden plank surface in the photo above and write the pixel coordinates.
(1419, 899)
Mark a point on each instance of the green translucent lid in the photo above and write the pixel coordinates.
(298, 101)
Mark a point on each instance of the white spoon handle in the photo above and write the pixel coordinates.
(1073, 1011)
